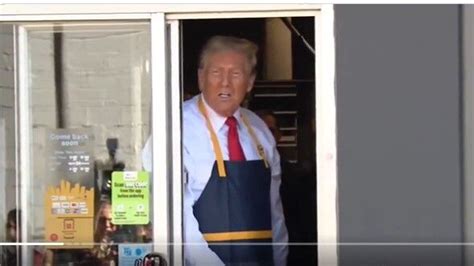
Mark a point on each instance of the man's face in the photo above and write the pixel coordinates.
(224, 81)
(106, 219)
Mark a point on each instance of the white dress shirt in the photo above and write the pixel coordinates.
(199, 158)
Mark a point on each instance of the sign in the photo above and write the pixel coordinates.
(130, 197)
(69, 215)
(132, 254)
(69, 207)
(70, 155)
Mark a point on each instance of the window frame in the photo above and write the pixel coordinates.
(166, 104)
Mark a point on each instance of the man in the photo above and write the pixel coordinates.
(231, 191)
(104, 251)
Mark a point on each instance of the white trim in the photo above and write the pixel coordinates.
(85, 25)
(245, 14)
(25, 141)
(17, 122)
(326, 136)
(74, 9)
(177, 180)
(73, 17)
(175, 15)
(160, 151)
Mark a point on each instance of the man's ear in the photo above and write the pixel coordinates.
(251, 81)
(200, 78)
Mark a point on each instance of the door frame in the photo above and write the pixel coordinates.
(325, 116)
(159, 123)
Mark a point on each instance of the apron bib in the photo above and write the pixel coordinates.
(233, 210)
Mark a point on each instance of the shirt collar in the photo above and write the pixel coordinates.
(216, 119)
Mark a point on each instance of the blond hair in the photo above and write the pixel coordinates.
(228, 43)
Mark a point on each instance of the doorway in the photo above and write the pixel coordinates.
(285, 91)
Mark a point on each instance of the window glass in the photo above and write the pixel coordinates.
(90, 96)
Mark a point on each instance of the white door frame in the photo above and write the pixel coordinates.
(174, 34)
(325, 115)
(159, 124)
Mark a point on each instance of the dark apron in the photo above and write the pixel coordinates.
(233, 210)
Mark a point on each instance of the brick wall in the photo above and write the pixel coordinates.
(7, 126)
(106, 90)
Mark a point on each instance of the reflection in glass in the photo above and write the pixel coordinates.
(90, 92)
(8, 213)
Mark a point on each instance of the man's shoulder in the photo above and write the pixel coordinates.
(193, 122)
(190, 105)
(190, 110)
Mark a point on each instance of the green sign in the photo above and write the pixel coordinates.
(130, 197)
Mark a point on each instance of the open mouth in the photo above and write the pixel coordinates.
(224, 95)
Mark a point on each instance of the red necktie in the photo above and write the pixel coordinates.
(235, 150)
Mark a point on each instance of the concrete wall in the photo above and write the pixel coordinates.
(398, 117)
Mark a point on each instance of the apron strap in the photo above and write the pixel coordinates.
(240, 235)
(258, 146)
(217, 147)
(215, 141)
